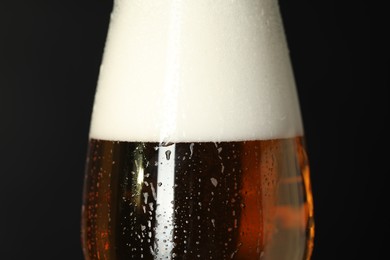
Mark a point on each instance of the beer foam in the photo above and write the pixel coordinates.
(204, 70)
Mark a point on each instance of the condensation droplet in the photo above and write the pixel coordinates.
(146, 195)
(214, 181)
(168, 154)
(191, 149)
(153, 191)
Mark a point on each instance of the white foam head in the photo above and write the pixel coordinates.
(204, 70)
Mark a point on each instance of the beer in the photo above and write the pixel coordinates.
(196, 146)
(206, 200)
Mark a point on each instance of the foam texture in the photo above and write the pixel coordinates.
(204, 70)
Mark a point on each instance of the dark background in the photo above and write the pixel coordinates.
(50, 53)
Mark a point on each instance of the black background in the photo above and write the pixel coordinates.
(50, 53)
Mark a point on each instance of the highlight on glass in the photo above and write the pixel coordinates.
(196, 144)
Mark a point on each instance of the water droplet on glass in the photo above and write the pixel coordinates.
(214, 181)
(153, 191)
(191, 149)
(146, 195)
(168, 154)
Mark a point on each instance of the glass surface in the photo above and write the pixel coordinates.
(196, 146)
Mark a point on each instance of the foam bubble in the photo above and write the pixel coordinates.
(205, 70)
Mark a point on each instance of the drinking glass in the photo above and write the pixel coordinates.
(196, 144)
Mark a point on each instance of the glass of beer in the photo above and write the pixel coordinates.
(196, 144)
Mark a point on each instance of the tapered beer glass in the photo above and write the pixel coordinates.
(196, 145)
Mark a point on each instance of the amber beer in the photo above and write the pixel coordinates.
(226, 200)
(196, 146)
